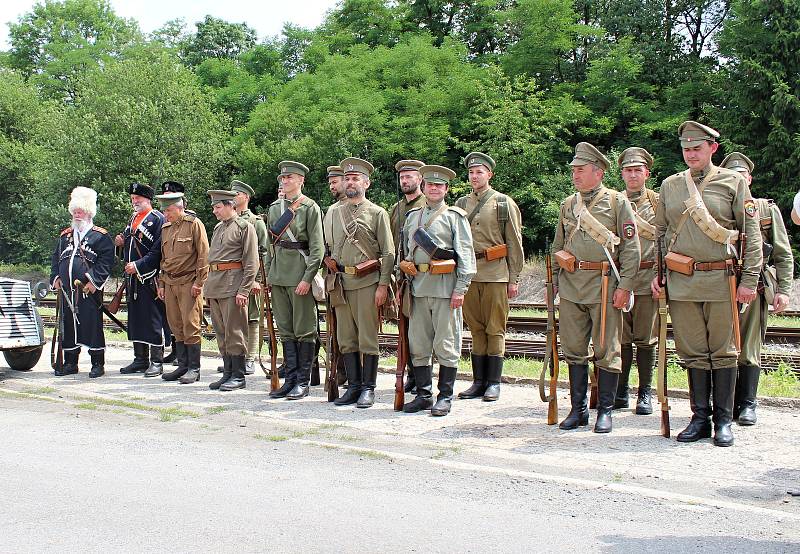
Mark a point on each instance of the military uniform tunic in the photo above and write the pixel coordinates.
(147, 314)
(486, 304)
(580, 309)
(234, 240)
(367, 223)
(700, 304)
(639, 326)
(253, 308)
(399, 211)
(87, 258)
(296, 316)
(753, 325)
(184, 263)
(434, 327)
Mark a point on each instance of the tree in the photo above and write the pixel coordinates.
(57, 42)
(217, 38)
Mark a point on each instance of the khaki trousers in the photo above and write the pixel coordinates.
(230, 325)
(703, 334)
(295, 315)
(577, 323)
(357, 322)
(184, 312)
(486, 314)
(640, 325)
(753, 329)
(434, 328)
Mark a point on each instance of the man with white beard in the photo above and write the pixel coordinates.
(81, 264)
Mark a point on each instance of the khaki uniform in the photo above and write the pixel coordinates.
(365, 225)
(399, 211)
(434, 327)
(486, 302)
(700, 304)
(295, 316)
(184, 262)
(753, 324)
(639, 326)
(233, 240)
(580, 308)
(253, 308)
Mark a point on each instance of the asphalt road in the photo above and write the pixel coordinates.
(124, 464)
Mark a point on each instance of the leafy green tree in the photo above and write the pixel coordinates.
(217, 38)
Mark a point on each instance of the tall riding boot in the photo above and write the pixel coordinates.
(70, 365)
(172, 357)
(478, 386)
(98, 358)
(411, 380)
(645, 358)
(352, 366)
(447, 380)
(141, 359)
(578, 386)
(226, 373)
(156, 362)
(183, 363)
(305, 359)
(370, 377)
(606, 389)
(290, 369)
(494, 372)
(699, 400)
(621, 398)
(237, 380)
(723, 381)
(192, 375)
(747, 383)
(341, 373)
(423, 375)
(315, 377)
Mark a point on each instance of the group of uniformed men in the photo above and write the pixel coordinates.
(465, 258)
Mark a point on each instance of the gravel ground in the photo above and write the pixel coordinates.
(111, 465)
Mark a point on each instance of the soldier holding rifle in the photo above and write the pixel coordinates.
(141, 253)
(439, 259)
(703, 214)
(81, 264)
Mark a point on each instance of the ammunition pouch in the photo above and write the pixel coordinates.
(408, 268)
(495, 252)
(335, 290)
(441, 267)
(769, 279)
(565, 261)
(279, 227)
(679, 263)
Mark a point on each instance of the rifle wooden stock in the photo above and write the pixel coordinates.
(661, 377)
(332, 353)
(402, 349)
(57, 343)
(551, 361)
(113, 306)
(274, 380)
(593, 390)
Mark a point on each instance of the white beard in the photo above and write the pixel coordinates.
(81, 225)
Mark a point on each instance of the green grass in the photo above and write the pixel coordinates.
(87, 406)
(215, 410)
(38, 390)
(271, 438)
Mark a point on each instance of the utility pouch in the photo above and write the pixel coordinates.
(680, 263)
(565, 261)
(496, 252)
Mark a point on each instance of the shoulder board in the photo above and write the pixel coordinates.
(100, 230)
(459, 211)
(189, 216)
(461, 202)
(308, 202)
(166, 224)
(413, 210)
(242, 222)
(217, 225)
(67, 231)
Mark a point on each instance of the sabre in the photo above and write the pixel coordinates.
(78, 284)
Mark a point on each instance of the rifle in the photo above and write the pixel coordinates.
(402, 346)
(57, 344)
(551, 351)
(114, 305)
(661, 384)
(593, 387)
(275, 381)
(734, 272)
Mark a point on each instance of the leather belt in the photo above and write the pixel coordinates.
(181, 274)
(346, 269)
(647, 265)
(225, 266)
(590, 266)
(711, 266)
(480, 255)
(290, 245)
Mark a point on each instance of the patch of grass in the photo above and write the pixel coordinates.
(348, 438)
(782, 382)
(164, 413)
(24, 395)
(617, 478)
(373, 455)
(271, 438)
(38, 390)
(86, 406)
(213, 410)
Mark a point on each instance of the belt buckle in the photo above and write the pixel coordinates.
(424, 268)
(214, 267)
(350, 269)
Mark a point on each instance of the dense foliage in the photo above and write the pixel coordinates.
(87, 98)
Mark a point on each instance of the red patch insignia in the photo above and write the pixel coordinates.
(629, 229)
(750, 208)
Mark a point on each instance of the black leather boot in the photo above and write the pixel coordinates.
(424, 399)
(226, 373)
(192, 374)
(289, 369)
(447, 380)
(578, 385)
(411, 381)
(315, 377)
(370, 377)
(156, 362)
(341, 373)
(645, 359)
(237, 380)
(699, 400)
(305, 359)
(98, 358)
(352, 366)
(172, 357)
(494, 372)
(70, 365)
(606, 389)
(478, 386)
(621, 398)
(723, 381)
(141, 359)
(180, 355)
(747, 389)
